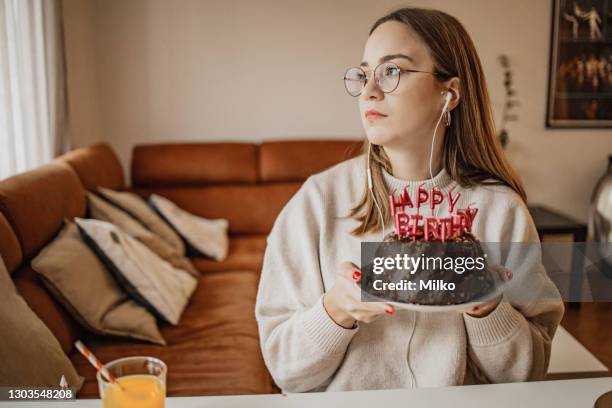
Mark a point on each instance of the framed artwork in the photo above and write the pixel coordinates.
(580, 68)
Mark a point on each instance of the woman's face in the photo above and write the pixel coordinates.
(413, 108)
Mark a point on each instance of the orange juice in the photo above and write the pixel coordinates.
(139, 391)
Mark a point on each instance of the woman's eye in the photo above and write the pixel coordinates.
(392, 71)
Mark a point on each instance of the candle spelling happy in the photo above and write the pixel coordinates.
(429, 228)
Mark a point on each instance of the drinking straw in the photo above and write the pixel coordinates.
(95, 362)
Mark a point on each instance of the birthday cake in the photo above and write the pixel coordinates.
(435, 280)
(430, 260)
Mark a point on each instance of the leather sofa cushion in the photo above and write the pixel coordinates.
(96, 166)
(245, 253)
(214, 351)
(194, 164)
(250, 209)
(297, 160)
(36, 202)
(10, 250)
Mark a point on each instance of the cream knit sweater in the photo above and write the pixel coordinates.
(305, 350)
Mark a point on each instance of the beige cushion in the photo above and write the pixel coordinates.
(29, 353)
(149, 279)
(138, 208)
(79, 280)
(101, 209)
(206, 237)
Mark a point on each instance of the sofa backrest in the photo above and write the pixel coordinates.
(96, 166)
(246, 183)
(35, 204)
(284, 161)
(194, 164)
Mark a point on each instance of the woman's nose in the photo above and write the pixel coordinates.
(371, 91)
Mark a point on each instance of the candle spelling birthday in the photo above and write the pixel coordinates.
(429, 228)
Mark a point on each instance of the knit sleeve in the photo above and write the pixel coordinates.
(301, 345)
(513, 342)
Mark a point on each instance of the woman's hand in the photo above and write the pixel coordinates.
(343, 301)
(483, 309)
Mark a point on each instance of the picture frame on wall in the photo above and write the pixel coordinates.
(580, 68)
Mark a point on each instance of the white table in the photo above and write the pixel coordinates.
(557, 394)
(569, 356)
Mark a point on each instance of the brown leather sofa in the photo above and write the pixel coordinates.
(215, 348)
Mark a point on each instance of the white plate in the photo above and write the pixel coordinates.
(439, 308)
(433, 308)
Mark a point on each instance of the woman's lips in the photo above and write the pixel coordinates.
(372, 115)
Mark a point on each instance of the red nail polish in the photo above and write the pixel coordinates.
(356, 275)
(389, 311)
(475, 308)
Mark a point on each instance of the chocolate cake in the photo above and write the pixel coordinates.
(471, 285)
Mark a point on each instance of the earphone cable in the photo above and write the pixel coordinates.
(433, 139)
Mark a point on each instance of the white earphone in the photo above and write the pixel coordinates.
(447, 98)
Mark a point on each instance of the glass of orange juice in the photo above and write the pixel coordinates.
(141, 383)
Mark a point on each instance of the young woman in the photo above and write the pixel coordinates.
(425, 110)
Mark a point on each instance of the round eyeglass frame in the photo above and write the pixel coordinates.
(401, 70)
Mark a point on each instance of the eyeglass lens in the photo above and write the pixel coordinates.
(386, 75)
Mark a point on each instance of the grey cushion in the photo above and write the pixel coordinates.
(140, 210)
(79, 280)
(206, 237)
(149, 279)
(101, 209)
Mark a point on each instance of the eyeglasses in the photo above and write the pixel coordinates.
(387, 76)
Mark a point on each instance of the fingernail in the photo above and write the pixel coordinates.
(475, 308)
(389, 311)
(356, 275)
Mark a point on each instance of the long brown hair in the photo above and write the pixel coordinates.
(472, 153)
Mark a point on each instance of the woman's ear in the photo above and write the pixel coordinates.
(452, 86)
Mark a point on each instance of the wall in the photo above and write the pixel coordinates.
(143, 71)
(81, 69)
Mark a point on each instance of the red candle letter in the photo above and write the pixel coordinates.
(393, 205)
(431, 227)
(452, 201)
(401, 225)
(469, 214)
(445, 229)
(405, 198)
(415, 226)
(457, 224)
(436, 197)
(423, 195)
